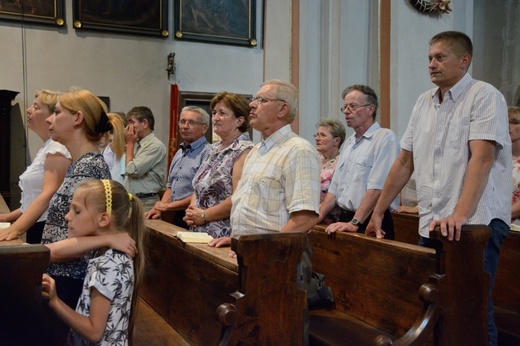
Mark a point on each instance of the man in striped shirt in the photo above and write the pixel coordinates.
(457, 143)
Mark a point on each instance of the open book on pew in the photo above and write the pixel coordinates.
(194, 237)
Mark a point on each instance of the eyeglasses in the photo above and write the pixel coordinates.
(190, 123)
(353, 106)
(262, 100)
(320, 136)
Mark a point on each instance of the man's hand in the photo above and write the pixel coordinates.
(153, 214)
(161, 206)
(341, 227)
(130, 134)
(374, 227)
(450, 226)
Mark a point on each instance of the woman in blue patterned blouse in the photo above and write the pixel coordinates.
(78, 122)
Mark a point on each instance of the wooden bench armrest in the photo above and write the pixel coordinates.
(267, 274)
(453, 283)
(423, 326)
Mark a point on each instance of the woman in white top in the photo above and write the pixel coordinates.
(41, 179)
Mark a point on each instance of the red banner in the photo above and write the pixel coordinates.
(174, 119)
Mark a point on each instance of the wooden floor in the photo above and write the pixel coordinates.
(151, 330)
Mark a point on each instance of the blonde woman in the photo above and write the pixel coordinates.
(41, 179)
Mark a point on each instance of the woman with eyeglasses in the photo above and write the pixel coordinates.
(329, 138)
(219, 174)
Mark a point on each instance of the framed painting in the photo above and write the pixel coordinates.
(230, 22)
(143, 17)
(50, 12)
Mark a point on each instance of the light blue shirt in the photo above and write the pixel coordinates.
(364, 165)
(185, 164)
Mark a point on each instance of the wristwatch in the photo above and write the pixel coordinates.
(203, 216)
(355, 222)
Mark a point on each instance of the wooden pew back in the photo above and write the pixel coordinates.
(505, 292)
(206, 296)
(21, 304)
(268, 308)
(377, 282)
(185, 283)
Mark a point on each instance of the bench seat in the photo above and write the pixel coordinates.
(339, 328)
(151, 329)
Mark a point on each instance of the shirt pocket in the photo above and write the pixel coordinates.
(458, 132)
(363, 166)
(270, 189)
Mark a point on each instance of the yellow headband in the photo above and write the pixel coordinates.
(130, 197)
(108, 195)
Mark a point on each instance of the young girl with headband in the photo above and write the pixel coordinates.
(106, 308)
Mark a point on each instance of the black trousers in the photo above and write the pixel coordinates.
(387, 225)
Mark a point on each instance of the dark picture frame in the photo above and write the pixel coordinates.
(49, 12)
(231, 22)
(203, 100)
(143, 17)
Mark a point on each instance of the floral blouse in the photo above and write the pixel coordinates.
(327, 171)
(516, 186)
(213, 182)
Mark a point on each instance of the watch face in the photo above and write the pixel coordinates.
(355, 222)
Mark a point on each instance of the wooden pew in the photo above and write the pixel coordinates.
(22, 308)
(506, 293)
(186, 284)
(378, 285)
(268, 308)
(506, 290)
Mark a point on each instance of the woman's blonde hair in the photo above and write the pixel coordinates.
(127, 215)
(49, 98)
(93, 109)
(118, 122)
(512, 110)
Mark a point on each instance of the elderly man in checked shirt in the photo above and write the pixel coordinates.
(280, 186)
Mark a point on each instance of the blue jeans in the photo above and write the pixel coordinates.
(499, 231)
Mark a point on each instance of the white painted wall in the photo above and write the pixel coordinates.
(338, 47)
(130, 69)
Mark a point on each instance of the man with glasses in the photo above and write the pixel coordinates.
(280, 186)
(362, 166)
(145, 169)
(193, 125)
